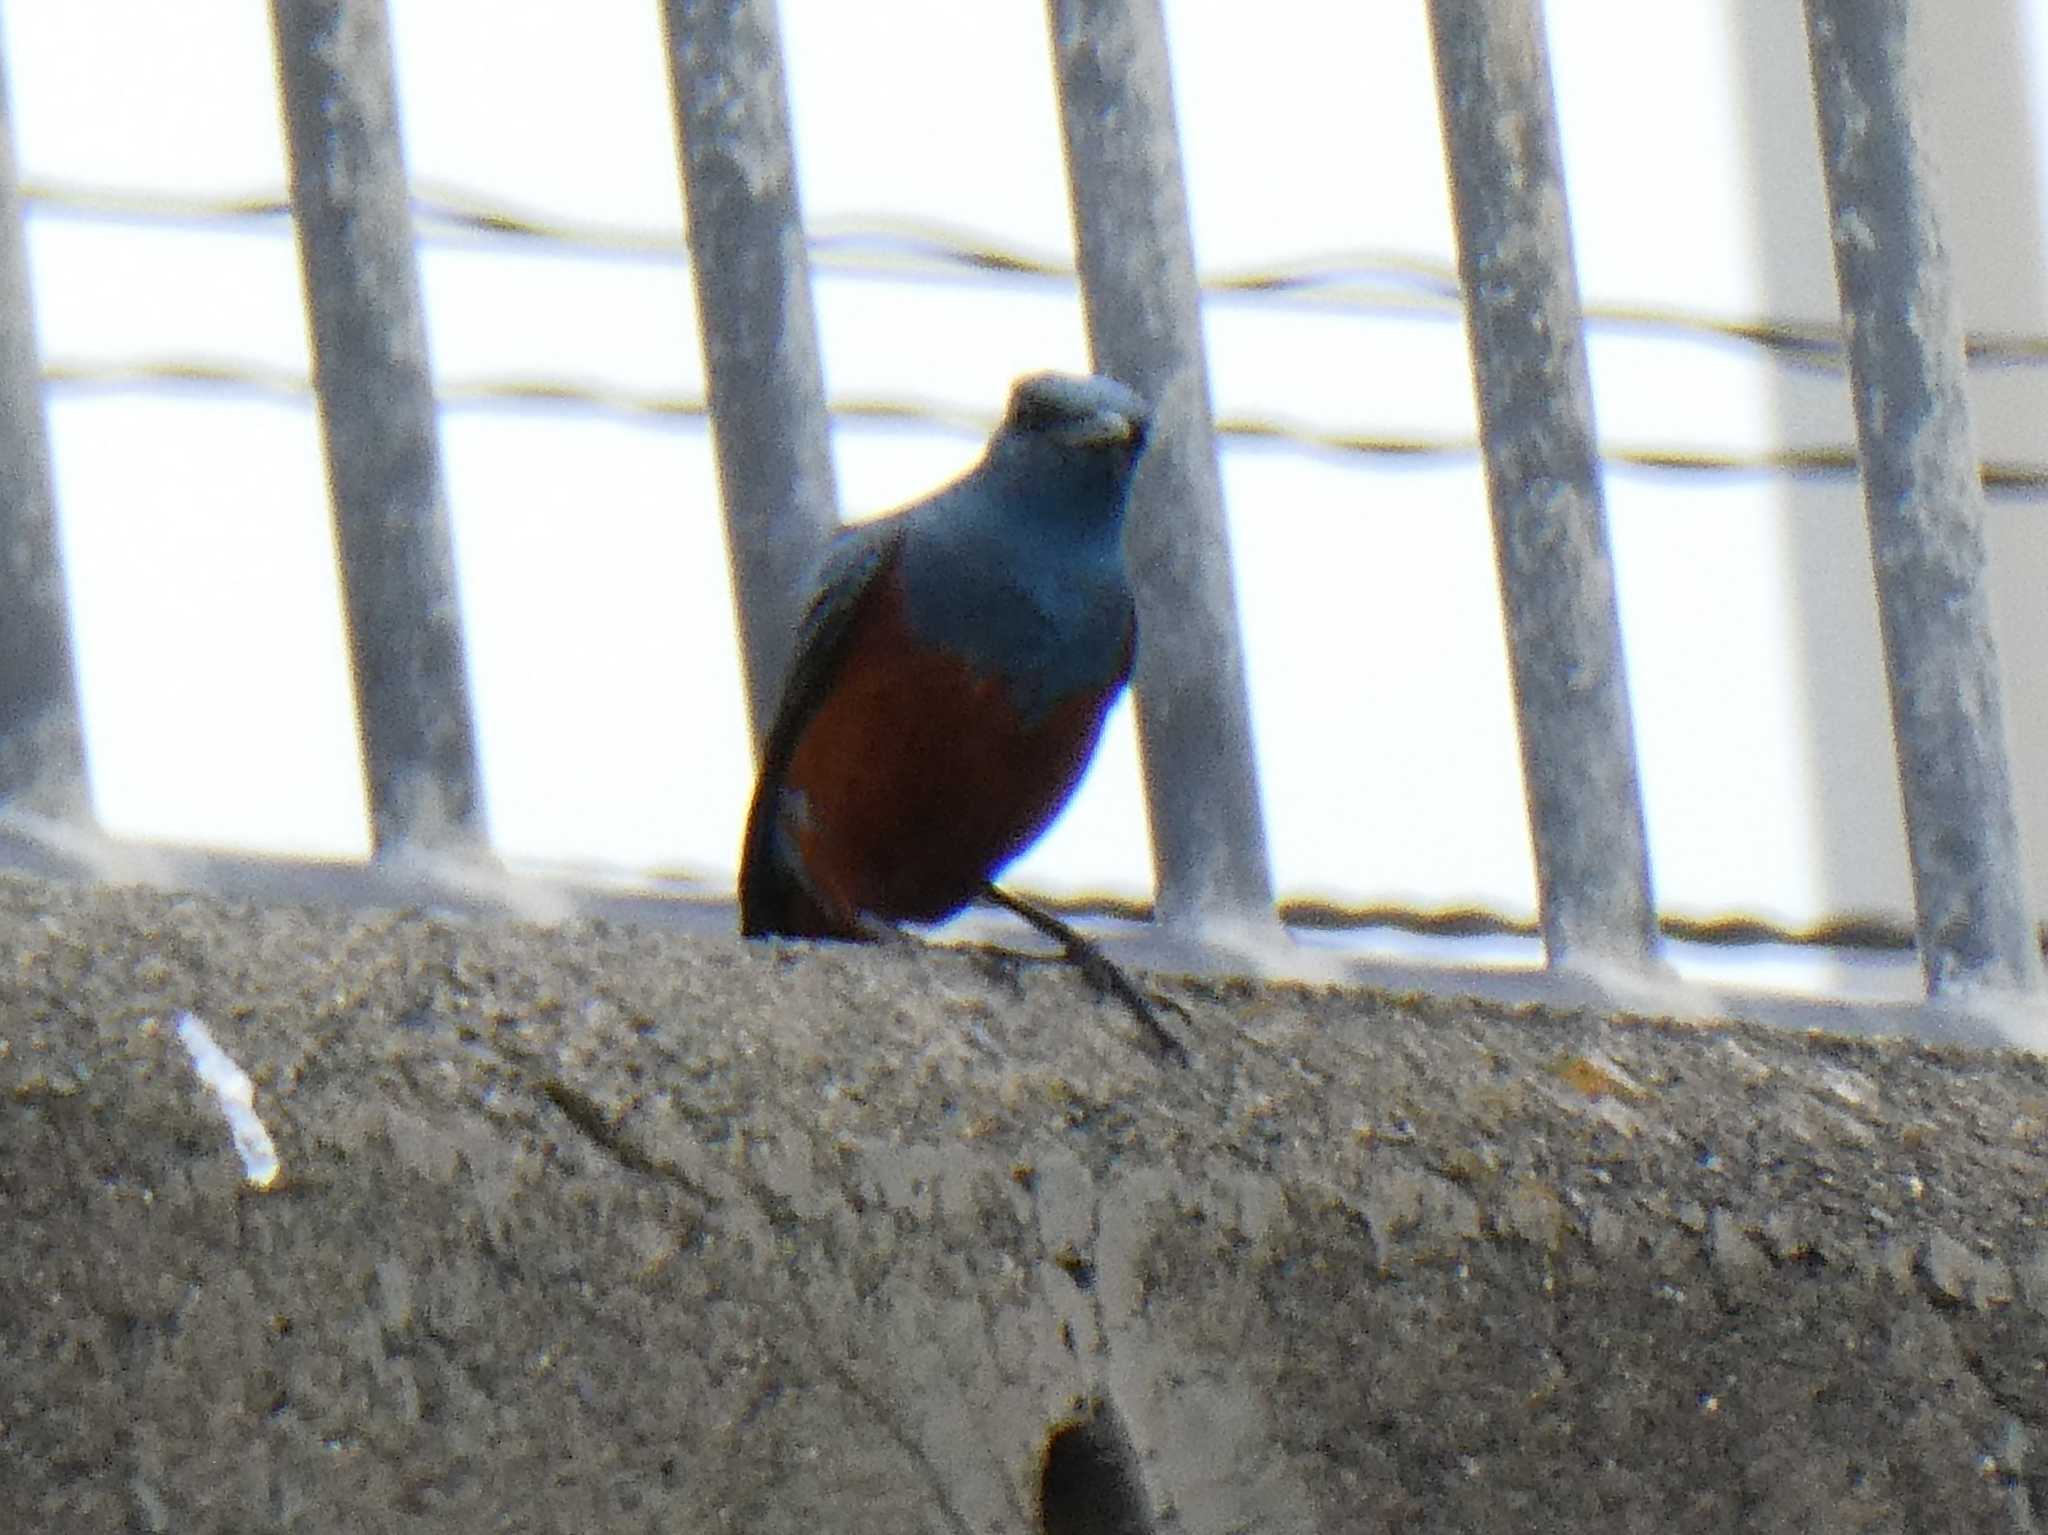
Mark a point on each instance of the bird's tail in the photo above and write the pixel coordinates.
(776, 901)
(774, 904)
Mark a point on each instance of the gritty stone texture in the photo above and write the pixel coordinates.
(587, 1228)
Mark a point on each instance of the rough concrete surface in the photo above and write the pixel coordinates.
(594, 1229)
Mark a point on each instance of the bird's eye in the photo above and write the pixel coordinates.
(1080, 413)
(1034, 412)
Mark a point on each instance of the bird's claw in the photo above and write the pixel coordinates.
(1103, 973)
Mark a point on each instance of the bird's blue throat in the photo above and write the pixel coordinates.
(1043, 604)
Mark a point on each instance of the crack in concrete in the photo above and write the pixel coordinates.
(777, 1213)
(780, 1214)
(590, 1120)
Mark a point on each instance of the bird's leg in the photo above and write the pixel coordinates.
(870, 929)
(1102, 972)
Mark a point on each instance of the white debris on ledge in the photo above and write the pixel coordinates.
(236, 1095)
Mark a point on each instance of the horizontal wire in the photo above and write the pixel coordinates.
(1825, 462)
(1871, 932)
(1354, 281)
(1357, 281)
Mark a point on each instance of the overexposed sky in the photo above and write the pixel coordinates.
(590, 552)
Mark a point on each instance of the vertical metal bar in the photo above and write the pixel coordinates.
(377, 416)
(1924, 502)
(768, 424)
(42, 753)
(1144, 326)
(1543, 480)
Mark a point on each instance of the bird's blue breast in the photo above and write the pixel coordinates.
(1045, 608)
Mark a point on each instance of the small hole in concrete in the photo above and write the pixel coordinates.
(1090, 1483)
(1076, 1268)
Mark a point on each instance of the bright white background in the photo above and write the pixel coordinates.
(593, 573)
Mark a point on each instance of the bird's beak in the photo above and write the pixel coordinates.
(1108, 429)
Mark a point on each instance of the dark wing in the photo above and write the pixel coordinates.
(855, 559)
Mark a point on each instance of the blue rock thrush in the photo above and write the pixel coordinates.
(951, 678)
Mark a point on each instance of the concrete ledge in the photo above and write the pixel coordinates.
(590, 1228)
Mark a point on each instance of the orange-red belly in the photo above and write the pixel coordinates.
(916, 780)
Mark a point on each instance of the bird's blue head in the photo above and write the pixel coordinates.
(1018, 566)
(1075, 439)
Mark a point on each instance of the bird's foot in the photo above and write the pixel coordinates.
(1102, 972)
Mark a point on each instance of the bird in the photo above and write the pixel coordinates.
(949, 682)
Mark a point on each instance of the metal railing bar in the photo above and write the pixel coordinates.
(378, 424)
(757, 322)
(42, 743)
(1925, 509)
(1543, 481)
(1143, 309)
